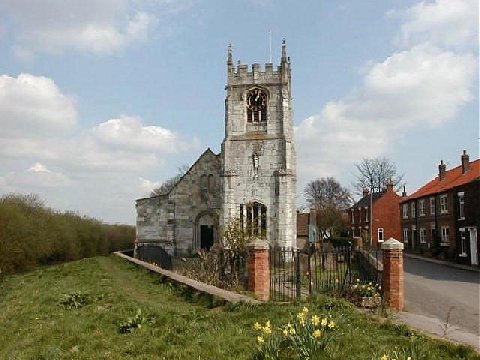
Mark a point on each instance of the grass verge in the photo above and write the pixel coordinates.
(104, 293)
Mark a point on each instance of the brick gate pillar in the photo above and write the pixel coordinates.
(393, 273)
(259, 269)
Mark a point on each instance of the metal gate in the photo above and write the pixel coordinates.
(296, 274)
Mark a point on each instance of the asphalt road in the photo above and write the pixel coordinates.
(440, 291)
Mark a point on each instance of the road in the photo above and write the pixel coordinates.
(441, 291)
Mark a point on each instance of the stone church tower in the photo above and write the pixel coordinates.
(258, 154)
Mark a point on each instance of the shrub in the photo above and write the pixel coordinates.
(132, 323)
(75, 300)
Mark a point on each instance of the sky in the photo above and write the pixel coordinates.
(103, 100)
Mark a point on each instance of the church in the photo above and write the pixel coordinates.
(252, 179)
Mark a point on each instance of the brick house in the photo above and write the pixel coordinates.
(383, 208)
(442, 217)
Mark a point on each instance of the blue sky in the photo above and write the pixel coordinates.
(101, 100)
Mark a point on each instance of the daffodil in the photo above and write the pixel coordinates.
(315, 320)
(305, 310)
(260, 340)
(384, 357)
(257, 326)
(292, 331)
(267, 330)
(324, 322)
(285, 332)
(331, 325)
(317, 333)
(267, 324)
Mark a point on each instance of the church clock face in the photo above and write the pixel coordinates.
(256, 100)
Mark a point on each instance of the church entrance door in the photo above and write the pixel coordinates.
(206, 237)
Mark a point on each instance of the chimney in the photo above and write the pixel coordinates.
(442, 170)
(390, 185)
(365, 192)
(465, 162)
(404, 193)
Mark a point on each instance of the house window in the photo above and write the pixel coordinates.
(421, 207)
(413, 208)
(461, 206)
(367, 210)
(405, 235)
(380, 234)
(445, 233)
(463, 243)
(405, 211)
(353, 216)
(253, 218)
(432, 206)
(423, 235)
(443, 204)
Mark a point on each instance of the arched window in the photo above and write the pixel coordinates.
(253, 219)
(256, 106)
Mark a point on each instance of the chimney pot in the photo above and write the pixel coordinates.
(442, 170)
(465, 162)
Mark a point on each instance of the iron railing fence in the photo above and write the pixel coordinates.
(296, 274)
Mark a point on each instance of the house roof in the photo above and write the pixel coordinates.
(302, 224)
(453, 178)
(365, 201)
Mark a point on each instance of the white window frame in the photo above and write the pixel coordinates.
(461, 205)
(445, 236)
(413, 209)
(405, 235)
(405, 211)
(443, 204)
(423, 236)
(421, 207)
(432, 206)
(381, 232)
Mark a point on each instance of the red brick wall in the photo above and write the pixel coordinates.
(386, 215)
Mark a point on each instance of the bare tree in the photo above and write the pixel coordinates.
(327, 193)
(170, 183)
(375, 173)
(329, 199)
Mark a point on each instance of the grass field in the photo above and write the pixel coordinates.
(35, 325)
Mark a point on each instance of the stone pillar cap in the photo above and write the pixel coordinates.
(392, 244)
(258, 244)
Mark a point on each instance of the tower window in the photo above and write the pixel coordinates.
(253, 219)
(256, 106)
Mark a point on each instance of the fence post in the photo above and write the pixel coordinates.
(393, 273)
(298, 285)
(259, 269)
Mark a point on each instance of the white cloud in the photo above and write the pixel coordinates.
(146, 186)
(442, 23)
(424, 85)
(37, 176)
(130, 132)
(34, 105)
(99, 27)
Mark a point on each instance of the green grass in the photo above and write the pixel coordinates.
(35, 325)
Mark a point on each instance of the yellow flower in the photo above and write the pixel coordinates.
(315, 320)
(358, 280)
(289, 325)
(331, 325)
(305, 310)
(257, 326)
(267, 324)
(292, 331)
(384, 357)
(317, 333)
(267, 330)
(324, 322)
(285, 332)
(260, 340)
(409, 358)
(302, 321)
(370, 283)
(301, 317)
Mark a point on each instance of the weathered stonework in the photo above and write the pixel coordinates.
(253, 178)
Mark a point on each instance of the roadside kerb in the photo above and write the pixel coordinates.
(442, 262)
(228, 296)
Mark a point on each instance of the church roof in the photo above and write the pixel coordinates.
(206, 152)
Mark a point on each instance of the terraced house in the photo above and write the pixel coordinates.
(442, 218)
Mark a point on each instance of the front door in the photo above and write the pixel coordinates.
(473, 246)
(206, 237)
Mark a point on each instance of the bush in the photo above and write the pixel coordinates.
(32, 234)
